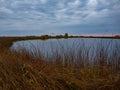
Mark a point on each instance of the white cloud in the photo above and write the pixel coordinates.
(109, 2)
(5, 10)
(43, 1)
(74, 3)
(92, 3)
(97, 16)
(1, 0)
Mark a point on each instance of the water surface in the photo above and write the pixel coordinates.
(73, 46)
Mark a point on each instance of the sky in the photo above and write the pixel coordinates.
(37, 17)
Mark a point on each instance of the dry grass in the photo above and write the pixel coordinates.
(24, 70)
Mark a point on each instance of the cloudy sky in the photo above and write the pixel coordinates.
(35, 17)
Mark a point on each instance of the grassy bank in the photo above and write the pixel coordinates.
(26, 70)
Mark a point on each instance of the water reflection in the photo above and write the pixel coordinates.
(73, 46)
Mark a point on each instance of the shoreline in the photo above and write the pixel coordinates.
(7, 41)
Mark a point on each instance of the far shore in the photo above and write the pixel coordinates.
(7, 41)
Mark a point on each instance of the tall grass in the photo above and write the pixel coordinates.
(76, 68)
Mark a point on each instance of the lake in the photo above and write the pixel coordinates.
(84, 47)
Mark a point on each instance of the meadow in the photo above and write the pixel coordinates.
(26, 70)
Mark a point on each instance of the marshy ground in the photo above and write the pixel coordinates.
(24, 70)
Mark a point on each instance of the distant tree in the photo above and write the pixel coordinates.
(45, 37)
(66, 35)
